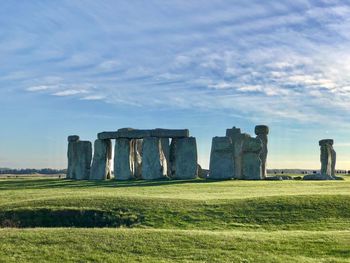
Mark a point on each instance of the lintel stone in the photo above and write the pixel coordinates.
(130, 133)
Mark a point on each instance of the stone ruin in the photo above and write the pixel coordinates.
(138, 154)
(164, 153)
(238, 155)
(328, 158)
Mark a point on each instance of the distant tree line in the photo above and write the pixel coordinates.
(32, 171)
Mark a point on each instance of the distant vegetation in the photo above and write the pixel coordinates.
(32, 171)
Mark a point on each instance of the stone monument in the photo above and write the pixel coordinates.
(79, 158)
(101, 163)
(251, 162)
(183, 158)
(262, 131)
(222, 165)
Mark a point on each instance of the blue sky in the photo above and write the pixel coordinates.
(81, 67)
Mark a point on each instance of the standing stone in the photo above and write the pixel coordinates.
(79, 159)
(183, 158)
(165, 142)
(154, 165)
(237, 139)
(71, 140)
(123, 159)
(262, 131)
(137, 145)
(221, 159)
(334, 160)
(328, 161)
(326, 157)
(251, 159)
(101, 164)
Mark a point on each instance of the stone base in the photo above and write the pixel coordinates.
(321, 177)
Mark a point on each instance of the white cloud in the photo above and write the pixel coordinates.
(70, 92)
(40, 88)
(93, 97)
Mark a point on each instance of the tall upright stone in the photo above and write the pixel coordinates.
(334, 160)
(71, 140)
(154, 165)
(221, 164)
(262, 131)
(101, 163)
(328, 161)
(326, 157)
(79, 158)
(123, 159)
(237, 139)
(251, 159)
(183, 158)
(137, 145)
(165, 142)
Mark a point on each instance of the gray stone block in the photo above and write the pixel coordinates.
(123, 159)
(183, 158)
(221, 159)
(107, 135)
(79, 160)
(170, 133)
(251, 162)
(154, 165)
(131, 133)
(261, 131)
(137, 144)
(73, 138)
(165, 142)
(101, 163)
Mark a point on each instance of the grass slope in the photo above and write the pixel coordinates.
(204, 221)
(136, 245)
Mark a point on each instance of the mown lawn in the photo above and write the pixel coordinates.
(181, 221)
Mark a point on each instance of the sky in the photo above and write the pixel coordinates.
(82, 67)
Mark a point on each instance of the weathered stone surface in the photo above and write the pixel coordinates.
(274, 178)
(319, 176)
(73, 138)
(183, 158)
(71, 161)
(79, 160)
(165, 143)
(125, 133)
(101, 163)
(326, 141)
(279, 178)
(334, 160)
(107, 135)
(262, 131)
(221, 159)
(328, 161)
(123, 159)
(202, 173)
(137, 145)
(131, 133)
(170, 133)
(237, 139)
(251, 161)
(154, 165)
(326, 158)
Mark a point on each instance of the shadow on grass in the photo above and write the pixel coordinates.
(48, 183)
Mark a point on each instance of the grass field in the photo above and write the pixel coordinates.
(48, 219)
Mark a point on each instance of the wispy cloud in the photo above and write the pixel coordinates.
(70, 92)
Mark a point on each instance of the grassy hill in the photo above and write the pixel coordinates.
(181, 221)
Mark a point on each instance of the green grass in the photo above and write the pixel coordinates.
(183, 221)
